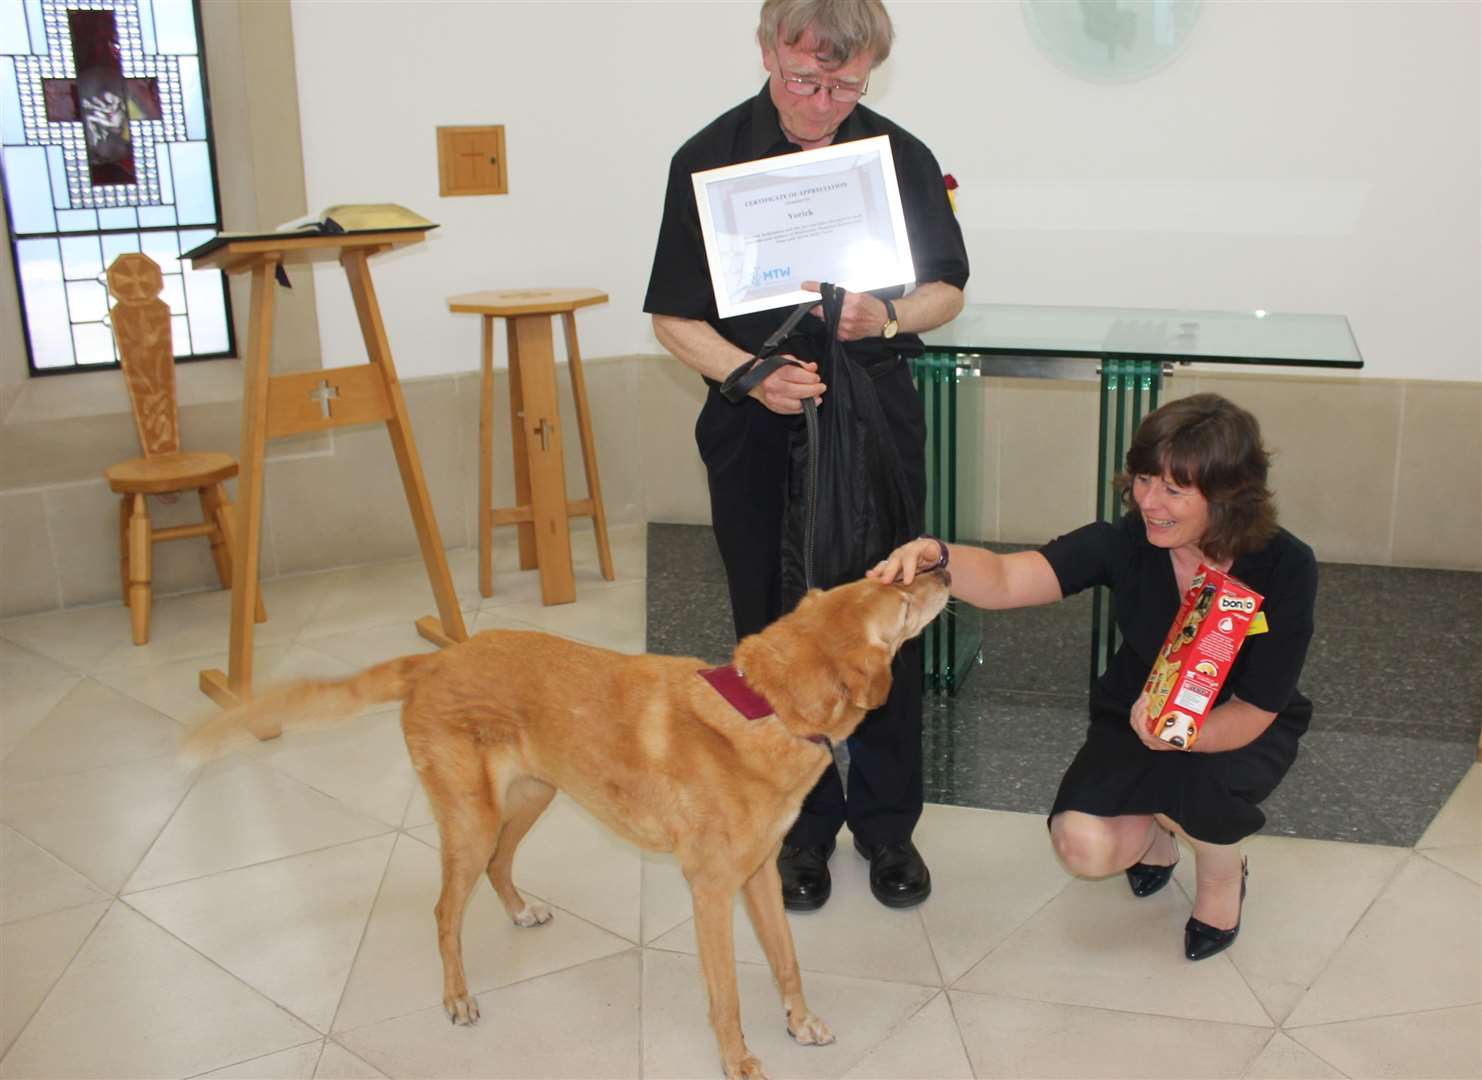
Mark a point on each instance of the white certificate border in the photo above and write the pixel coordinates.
(879, 145)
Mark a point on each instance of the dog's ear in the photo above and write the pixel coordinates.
(864, 677)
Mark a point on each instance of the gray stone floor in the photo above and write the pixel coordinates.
(1393, 675)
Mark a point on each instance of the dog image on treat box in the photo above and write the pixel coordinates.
(1196, 657)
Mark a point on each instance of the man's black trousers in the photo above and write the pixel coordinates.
(744, 448)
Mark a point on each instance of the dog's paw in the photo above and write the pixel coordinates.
(809, 1030)
(533, 915)
(748, 1068)
(463, 1009)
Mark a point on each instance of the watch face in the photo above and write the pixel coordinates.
(1111, 40)
(891, 329)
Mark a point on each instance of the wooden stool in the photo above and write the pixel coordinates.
(543, 511)
(141, 325)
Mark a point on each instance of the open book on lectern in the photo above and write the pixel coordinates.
(345, 218)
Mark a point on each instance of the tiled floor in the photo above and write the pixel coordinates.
(271, 916)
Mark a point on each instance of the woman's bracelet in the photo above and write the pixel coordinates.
(941, 563)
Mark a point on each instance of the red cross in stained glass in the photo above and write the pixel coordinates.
(101, 98)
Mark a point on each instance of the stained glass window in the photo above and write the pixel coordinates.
(105, 142)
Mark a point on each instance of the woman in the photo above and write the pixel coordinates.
(1196, 479)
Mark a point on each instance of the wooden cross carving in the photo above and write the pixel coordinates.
(322, 394)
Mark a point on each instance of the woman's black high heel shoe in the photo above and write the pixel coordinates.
(1201, 941)
(1146, 879)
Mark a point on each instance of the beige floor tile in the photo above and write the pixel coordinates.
(25, 669)
(1465, 860)
(666, 901)
(101, 821)
(36, 952)
(291, 603)
(244, 816)
(362, 764)
(990, 872)
(277, 665)
(1097, 945)
(613, 617)
(302, 660)
(1305, 897)
(77, 638)
(381, 594)
(678, 1040)
(573, 861)
(1440, 1044)
(833, 939)
(1007, 1037)
(154, 1007)
(1460, 821)
(1284, 1059)
(498, 618)
(35, 882)
(91, 727)
(173, 689)
(268, 864)
(289, 928)
(1398, 959)
(926, 1047)
(363, 648)
(398, 970)
(295, 1063)
(26, 707)
(628, 543)
(419, 813)
(179, 627)
(512, 585)
(582, 1022)
(666, 896)
(337, 1063)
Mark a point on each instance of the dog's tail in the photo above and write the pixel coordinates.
(302, 704)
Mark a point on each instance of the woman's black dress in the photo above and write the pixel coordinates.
(1214, 797)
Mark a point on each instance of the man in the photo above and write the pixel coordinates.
(818, 55)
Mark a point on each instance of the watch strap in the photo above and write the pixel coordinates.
(891, 326)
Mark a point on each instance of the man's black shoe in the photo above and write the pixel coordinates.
(898, 874)
(805, 878)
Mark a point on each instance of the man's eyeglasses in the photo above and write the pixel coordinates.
(844, 93)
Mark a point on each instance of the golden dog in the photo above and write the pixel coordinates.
(496, 724)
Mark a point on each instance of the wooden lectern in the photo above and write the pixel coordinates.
(274, 406)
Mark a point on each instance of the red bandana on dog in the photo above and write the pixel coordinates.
(731, 685)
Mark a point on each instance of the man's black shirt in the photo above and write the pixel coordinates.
(679, 283)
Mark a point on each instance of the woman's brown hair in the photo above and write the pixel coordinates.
(1208, 442)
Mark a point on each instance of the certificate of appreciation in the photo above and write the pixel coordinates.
(832, 214)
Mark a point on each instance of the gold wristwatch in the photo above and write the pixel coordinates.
(891, 327)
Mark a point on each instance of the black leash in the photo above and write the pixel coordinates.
(749, 374)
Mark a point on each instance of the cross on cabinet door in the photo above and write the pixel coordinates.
(471, 161)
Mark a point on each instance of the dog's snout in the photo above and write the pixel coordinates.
(946, 577)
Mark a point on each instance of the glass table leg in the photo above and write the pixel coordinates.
(952, 643)
(1129, 390)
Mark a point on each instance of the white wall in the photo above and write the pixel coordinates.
(1298, 156)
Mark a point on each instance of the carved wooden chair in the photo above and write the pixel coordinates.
(141, 326)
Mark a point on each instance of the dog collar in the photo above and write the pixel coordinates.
(730, 683)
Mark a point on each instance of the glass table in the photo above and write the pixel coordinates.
(1130, 351)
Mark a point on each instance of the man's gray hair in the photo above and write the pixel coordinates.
(844, 28)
